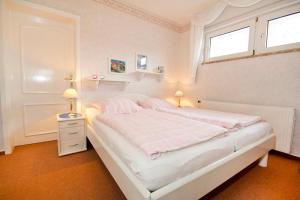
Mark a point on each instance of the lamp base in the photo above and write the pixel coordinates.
(69, 115)
(179, 105)
(74, 115)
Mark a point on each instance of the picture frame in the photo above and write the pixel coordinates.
(161, 69)
(141, 62)
(117, 66)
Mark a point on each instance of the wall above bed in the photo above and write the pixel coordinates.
(107, 33)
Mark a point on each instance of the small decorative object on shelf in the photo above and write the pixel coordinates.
(96, 77)
(71, 134)
(101, 77)
(160, 69)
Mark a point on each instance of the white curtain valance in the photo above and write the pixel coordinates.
(197, 30)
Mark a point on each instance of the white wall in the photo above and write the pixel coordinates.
(105, 32)
(271, 80)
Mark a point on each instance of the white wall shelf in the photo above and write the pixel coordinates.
(141, 74)
(111, 80)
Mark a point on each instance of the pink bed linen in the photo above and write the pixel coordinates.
(155, 103)
(231, 121)
(157, 132)
(116, 105)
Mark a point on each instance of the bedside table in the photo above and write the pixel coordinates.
(71, 134)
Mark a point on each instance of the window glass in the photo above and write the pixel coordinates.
(284, 30)
(230, 43)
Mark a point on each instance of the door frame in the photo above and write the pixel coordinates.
(8, 138)
(2, 88)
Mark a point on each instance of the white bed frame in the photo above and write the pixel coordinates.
(282, 119)
(192, 186)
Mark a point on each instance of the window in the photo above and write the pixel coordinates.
(270, 31)
(230, 43)
(284, 30)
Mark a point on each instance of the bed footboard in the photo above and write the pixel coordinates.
(201, 182)
(192, 186)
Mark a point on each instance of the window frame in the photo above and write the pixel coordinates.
(261, 37)
(235, 27)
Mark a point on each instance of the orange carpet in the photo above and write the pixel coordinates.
(36, 172)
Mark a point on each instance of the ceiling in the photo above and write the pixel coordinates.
(179, 11)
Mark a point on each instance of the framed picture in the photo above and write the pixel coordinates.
(117, 66)
(141, 62)
(160, 69)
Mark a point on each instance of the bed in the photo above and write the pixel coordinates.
(157, 173)
(189, 173)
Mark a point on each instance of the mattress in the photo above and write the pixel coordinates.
(173, 165)
(250, 134)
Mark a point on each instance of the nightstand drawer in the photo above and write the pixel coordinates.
(73, 146)
(71, 133)
(72, 123)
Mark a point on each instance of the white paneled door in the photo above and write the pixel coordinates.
(42, 46)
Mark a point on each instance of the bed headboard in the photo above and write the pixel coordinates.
(133, 96)
(281, 118)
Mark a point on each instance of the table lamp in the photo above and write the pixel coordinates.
(71, 95)
(179, 94)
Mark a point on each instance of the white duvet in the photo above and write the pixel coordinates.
(157, 132)
(174, 165)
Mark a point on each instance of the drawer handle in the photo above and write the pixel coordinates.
(73, 145)
(71, 124)
(73, 133)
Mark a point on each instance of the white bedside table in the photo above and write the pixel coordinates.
(71, 134)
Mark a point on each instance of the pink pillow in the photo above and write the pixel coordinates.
(117, 105)
(154, 103)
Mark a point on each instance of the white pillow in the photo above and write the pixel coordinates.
(155, 103)
(117, 105)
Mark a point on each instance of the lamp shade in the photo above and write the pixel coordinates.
(178, 93)
(70, 93)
